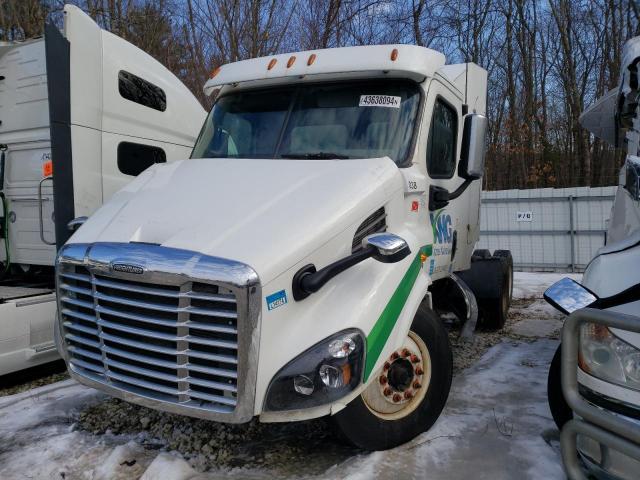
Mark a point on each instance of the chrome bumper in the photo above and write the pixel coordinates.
(155, 330)
(609, 430)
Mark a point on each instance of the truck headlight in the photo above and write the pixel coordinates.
(324, 373)
(607, 357)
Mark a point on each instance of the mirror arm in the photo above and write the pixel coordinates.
(631, 294)
(440, 197)
(460, 190)
(307, 280)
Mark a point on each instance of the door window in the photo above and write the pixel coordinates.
(135, 158)
(441, 146)
(140, 91)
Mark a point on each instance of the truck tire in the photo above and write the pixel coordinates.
(491, 281)
(481, 253)
(560, 410)
(494, 311)
(380, 419)
(505, 255)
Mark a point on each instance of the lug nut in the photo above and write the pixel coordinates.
(406, 353)
(387, 366)
(383, 379)
(394, 355)
(419, 370)
(408, 394)
(417, 384)
(414, 359)
(397, 397)
(387, 392)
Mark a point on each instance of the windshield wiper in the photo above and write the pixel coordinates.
(316, 156)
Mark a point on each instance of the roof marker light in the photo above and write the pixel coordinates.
(215, 72)
(291, 61)
(394, 54)
(272, 63)
(312, 58)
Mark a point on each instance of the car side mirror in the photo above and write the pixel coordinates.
(567, 295)
(388, 248)
(471, 165)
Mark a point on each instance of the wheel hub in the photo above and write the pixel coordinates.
(401, 376)
(402, 382)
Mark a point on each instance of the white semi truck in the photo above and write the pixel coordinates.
(297, 265)
(594, 380)
(99, 111)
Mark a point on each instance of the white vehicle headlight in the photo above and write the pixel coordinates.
(607, 357)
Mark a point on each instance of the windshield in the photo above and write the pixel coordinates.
(364, 119)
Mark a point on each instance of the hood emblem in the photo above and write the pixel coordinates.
(127, 268)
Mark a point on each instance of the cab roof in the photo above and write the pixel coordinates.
(399, 61)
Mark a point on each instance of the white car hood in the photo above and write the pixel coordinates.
(269, 214)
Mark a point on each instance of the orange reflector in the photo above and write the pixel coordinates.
(272, 63)
(312, 58)
(291, 61)
(423, 257)
(215, 72)
(394, 54)
(346, 374)
(47, 168)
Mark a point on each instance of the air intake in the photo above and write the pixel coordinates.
(374, 223)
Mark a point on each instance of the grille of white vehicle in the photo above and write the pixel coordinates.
(173, 343)
(374, 223)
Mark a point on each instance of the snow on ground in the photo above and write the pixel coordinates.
(496, 425)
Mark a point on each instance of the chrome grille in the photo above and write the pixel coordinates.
(175, 342)
(374, 223)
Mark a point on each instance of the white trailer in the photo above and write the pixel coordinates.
(81, 114)
(297, 264)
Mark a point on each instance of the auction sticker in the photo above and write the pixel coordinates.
(276, 300)
(387, 101)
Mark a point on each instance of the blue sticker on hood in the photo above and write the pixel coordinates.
(276, 300)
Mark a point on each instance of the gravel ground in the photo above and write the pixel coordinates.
(207, 444)
(33, 378)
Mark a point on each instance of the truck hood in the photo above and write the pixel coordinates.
(269, 214)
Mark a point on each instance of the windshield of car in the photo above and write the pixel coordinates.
(364, 119)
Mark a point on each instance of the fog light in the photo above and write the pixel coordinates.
(303, 385)
(331, 376)
(342, 347)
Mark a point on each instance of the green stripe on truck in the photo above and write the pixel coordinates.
(380, 332)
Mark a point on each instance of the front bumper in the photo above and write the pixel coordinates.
(168, 329)
(607, 443)
(602, 460)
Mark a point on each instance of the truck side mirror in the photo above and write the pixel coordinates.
(388, 248)
(567, 295)
(632, 180)
(384, 247)
(473, 147)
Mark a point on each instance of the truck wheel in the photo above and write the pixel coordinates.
(560, 410)
(406, 396)
(496, 310)
(505, 255)
(481, 253)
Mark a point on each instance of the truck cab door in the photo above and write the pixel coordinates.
(444, 134)
(114, 111)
